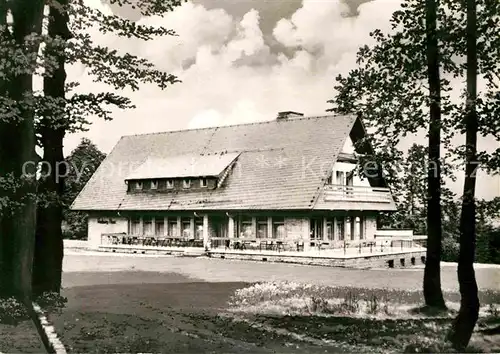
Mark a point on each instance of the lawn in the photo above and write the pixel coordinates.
(182, 314)
(20, 338)
(120, 303)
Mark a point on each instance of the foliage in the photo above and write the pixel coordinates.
(51, 302)
(12, 311)
(119, 70)
(389, 86)
(83, 162)
(488, 235)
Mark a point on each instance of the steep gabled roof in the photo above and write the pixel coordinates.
(280, 164)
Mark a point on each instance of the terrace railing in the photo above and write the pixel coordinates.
(334, 193)
(150, 240)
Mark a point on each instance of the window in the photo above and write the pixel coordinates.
(349, 178)
(147, 226)
(279, 228)
(154, 184)
(138, 185)
(170, 184)
(349, 228)
(203, 183)
(159, 227)
(246, 227)
(329, 230)
(262, 228)
(135, 225)
(186, 183)
(316, 232)
(173, 230)
(358, 230)
(186, 227)
(198, 229)
(340, 228)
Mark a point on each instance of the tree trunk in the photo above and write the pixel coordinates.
(47, 267)
(17, 147)
(49, 239)
(463, 325)
(432, 274)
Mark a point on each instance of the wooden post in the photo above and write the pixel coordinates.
(230, 227)
(306, 238)
(325, 235)
(254, 227)
(141, 227)
(347, 228)
(206, 239)
(165, 226)
(334, 229)
(191, 228)
(179, 227)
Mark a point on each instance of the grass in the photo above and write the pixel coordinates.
(176, 317)
(359, 319)
(20, 337)
(182, 315)
(193, 311)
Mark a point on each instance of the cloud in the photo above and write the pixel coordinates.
(234, 72)
(231, 71)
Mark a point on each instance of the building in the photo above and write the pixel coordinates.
(290, 183)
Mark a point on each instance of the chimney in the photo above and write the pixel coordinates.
(289, 114)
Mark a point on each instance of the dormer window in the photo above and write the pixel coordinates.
(154, 184)
(170, 184)
(186, 183)
(203, 182)
(138, 185)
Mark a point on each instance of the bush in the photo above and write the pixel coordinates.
(451, 249)
(372, 305)
(51, 301)
(12, 311)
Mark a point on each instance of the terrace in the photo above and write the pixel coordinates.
(390, 247)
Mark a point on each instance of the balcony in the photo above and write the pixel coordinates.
(336, 193)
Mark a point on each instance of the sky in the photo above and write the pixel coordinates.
(241, 61)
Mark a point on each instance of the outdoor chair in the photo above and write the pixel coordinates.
(279, 246)
(263, 243)
(198, 243)
(300, 246)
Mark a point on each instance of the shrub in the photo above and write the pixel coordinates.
(451, 249)
(12, 311)
(349, 305)
(51, 301)
(319, 304)
(372, 305)
(493, 311)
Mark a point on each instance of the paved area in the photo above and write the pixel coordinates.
(338, 253)
(219, 270)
